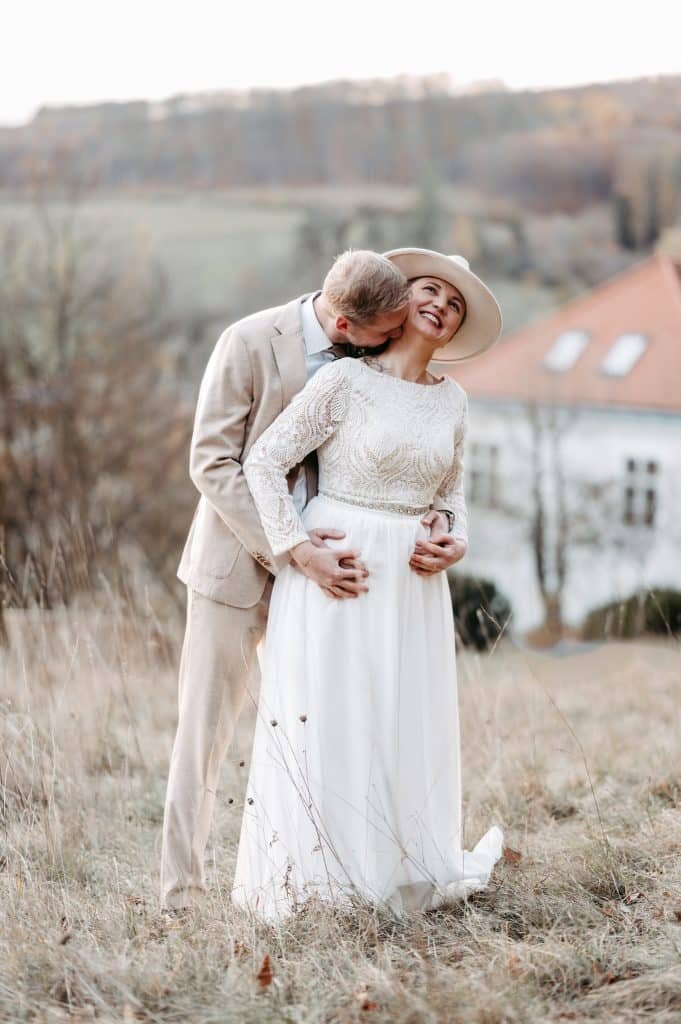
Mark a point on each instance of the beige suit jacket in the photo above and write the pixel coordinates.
(256, 367)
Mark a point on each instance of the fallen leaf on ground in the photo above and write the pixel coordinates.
(515, 966)
(603, 977)
(512, 856)
(364, 1002)
(265, 974)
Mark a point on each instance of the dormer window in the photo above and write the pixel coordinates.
(566, 350)
(624, 354)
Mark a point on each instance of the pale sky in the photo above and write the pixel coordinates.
(83, 51)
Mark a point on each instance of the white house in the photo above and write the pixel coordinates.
(573, 456)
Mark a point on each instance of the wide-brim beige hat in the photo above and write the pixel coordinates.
(482, 325)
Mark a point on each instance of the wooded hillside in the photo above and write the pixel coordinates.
(559, 149)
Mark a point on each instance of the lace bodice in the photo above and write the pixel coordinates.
(381, 442)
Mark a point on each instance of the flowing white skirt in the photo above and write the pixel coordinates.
(354, 785)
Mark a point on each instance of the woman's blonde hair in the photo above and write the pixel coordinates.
(363, 285)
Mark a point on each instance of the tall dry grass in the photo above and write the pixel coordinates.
(577, 757)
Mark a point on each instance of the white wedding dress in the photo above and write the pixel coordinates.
(354, 783)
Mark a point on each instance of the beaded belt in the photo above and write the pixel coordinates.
(378, 506)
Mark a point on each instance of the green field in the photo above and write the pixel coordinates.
(225, 253)
(205, 244)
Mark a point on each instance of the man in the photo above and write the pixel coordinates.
(256, 368)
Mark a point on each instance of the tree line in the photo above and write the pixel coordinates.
(557, 149)
(93, 435)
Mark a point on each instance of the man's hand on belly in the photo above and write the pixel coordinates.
(340, 574)
(436, 554)
(319, 536)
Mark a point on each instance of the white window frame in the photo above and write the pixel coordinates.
(640, 492)
(566, 350)
(483, 474)
(624, 354)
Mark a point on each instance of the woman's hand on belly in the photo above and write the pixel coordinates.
(339, 573)
(437, 554)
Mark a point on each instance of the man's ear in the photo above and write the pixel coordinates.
(342, 324)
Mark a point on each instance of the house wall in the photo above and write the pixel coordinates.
(606, 558)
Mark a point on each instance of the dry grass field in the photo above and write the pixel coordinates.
(579, 759)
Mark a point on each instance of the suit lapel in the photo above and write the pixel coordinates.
(288, 347)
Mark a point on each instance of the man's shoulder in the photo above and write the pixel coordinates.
(253, 326)
(266, 323)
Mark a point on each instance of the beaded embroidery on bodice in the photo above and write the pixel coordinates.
(382, 442)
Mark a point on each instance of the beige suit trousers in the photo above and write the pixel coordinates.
(218, 654)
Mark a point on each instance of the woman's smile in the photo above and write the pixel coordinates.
(433, 317)
(437, 308)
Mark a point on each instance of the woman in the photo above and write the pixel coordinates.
(354, 785)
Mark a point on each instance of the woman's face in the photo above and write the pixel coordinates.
(436, 309)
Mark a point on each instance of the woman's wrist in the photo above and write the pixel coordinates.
(302, 553)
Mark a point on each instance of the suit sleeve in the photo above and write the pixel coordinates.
(222, 412)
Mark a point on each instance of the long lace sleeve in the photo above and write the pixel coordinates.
(311, 418)
(450, 493)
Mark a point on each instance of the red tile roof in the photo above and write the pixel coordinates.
(645, 299)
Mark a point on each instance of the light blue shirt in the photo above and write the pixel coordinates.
(317, 344)
(317, 352)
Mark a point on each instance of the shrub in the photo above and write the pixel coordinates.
(656, 612)
(481, 611)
